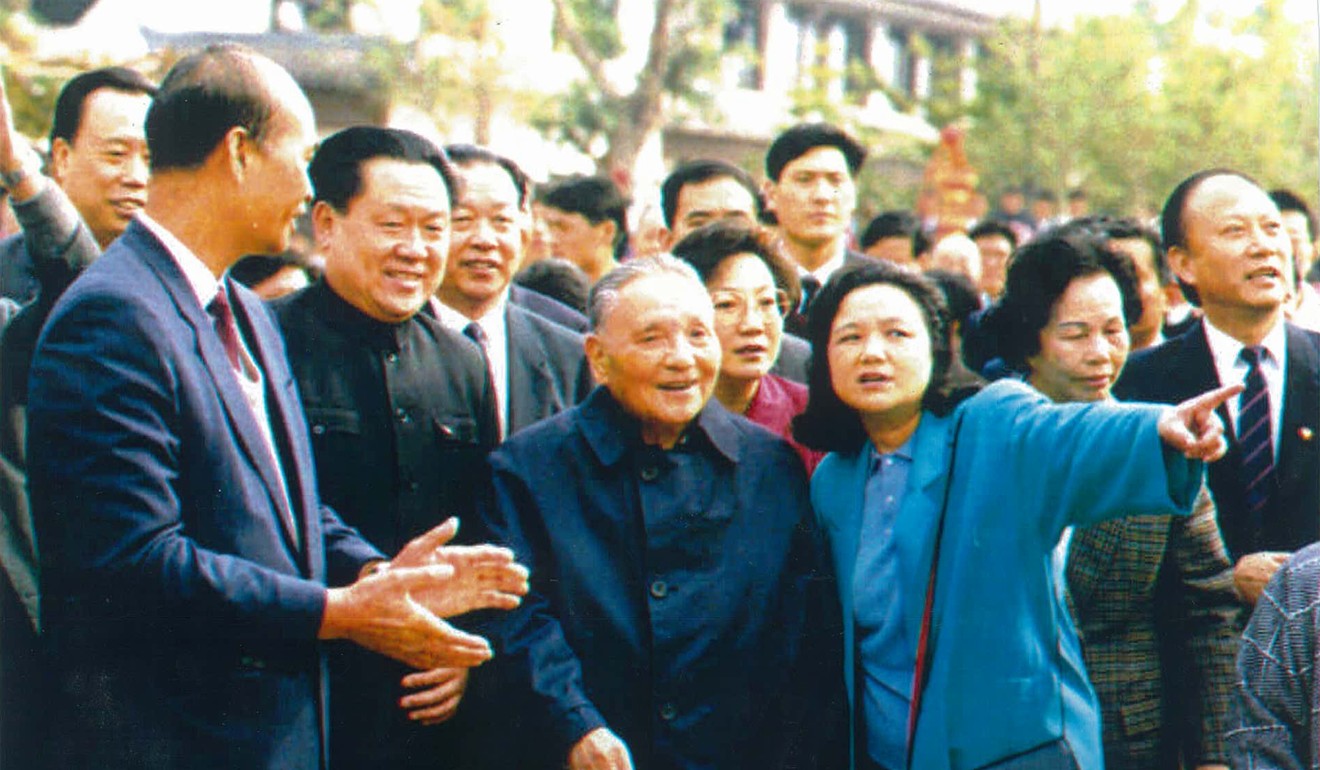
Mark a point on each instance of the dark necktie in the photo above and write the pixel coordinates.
(810, 285)
(474, 332)
(223, 318)
(1255, 436)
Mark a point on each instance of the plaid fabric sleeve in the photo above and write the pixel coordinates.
(1273, 722)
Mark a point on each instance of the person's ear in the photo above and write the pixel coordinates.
(60, 157)
(324, 219)
(596, 358)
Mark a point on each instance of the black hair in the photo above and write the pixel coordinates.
(829, 425)
(1173, 227)
(805, 137)
(557, 278)
(596, 198)
(336, 168)
(69, 104)
(711, 245)
(893, 224)
(993, 226)
(1039, 275)
(1127, 228)
(203, 96)
(960, 294)
(1077, 194)
(463, 155)
(698, 172)
(255, 268)
(1287, 200)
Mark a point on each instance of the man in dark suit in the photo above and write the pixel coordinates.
(1227, 245)
(812, 190)
(400, 409)
(185, 555)
(538, 368)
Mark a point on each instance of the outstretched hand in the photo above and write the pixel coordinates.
(398, 611)
(1194, 429)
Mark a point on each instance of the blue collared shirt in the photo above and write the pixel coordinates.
(887, 651)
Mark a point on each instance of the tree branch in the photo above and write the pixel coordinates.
(567, 29)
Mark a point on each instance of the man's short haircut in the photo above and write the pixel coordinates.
(596, 198)
(894, 224)
(805, 137)
(202, 97)
(1128, 228)
(696, 172)
(1173, 225)
(989, 227)
(464, 155)
(1039, 275)
(1287, 200)
(960, 295)
(69, 104)
(336, 168)
(605, 294)
(708, 247)
(557, 278)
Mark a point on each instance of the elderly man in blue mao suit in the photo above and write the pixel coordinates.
(680, 616)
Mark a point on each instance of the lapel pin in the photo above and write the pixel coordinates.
(1305, 433)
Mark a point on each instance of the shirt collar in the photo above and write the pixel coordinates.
(1227, 351)
(492, 322)
(611, 432)
(905, 452)
(824, 272)
(204, 285)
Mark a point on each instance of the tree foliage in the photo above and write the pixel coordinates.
(611, 120)
(1128, 106)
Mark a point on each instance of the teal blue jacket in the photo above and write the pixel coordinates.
(1006, 669)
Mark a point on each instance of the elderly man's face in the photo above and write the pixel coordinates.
(657, 353)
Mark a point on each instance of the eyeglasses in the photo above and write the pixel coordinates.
(732, 306)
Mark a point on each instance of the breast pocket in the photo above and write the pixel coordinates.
(339, 451)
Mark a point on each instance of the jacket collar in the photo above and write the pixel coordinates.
(612, 433)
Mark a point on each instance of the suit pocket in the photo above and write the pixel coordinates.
(457, 430)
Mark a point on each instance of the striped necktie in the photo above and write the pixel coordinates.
(1255, 436)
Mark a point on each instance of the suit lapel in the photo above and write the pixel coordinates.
(1090, 554)
(914, 530)
(242, 421)
(531, 384)
(285, 414)
(1298, 450)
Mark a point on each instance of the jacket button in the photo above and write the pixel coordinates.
(391, 358)
(402, 415)
(650, 473)
(659, 589)
(668, 711)
(318, 429)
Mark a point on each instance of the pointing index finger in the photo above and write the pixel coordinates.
(1211, 399)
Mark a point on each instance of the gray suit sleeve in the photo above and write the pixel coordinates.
(54, 233)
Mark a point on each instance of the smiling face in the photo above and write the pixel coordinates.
(386, 253)
(880, 356)
(657, 353)
(1085, 344)
(104, 170)
(490, 233)
(748, 317)
(1237, 251)
(276, 189)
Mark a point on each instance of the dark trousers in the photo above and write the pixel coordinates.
(24, 686)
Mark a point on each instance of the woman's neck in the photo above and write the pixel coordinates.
(736, 394)
(889, 431)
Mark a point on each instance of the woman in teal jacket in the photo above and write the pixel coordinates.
(1006, 678)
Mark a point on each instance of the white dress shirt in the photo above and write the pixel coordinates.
(495, 326)
(1227, 355)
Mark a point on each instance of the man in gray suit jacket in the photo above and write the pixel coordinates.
(537, 368)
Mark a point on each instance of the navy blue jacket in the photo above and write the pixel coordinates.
(682, 599)
(174, 595)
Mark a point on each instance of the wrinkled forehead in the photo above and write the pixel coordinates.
(657, 299)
